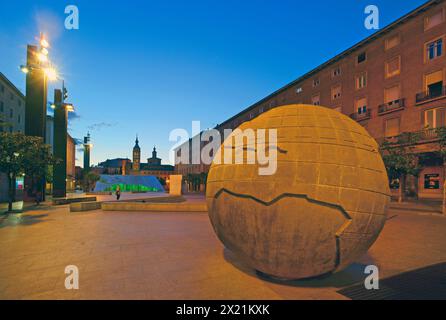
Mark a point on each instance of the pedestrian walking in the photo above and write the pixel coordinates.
(38, 197)
(118, 192)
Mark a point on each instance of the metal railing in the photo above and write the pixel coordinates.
(428, 134)
(431, 94)
(361, 116)
(391, 106)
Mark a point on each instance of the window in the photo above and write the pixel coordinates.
(392, 127)
(362, 57)
(392, 94)
(10, 129)
(2, 106)
(435, 118)
(2, 87)
(393, 67)
(299, 90)
(316, 83)
(336, 92)
(11, 96)
(19, 119)
(336, 72)
(434, 83)
(434, 20)
(11, 113)
(316, 100)
(361, 81)
(361, 106)
(20, 103)
(392, 42)
(434, 49)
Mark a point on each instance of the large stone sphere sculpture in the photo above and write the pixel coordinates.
(321, 210)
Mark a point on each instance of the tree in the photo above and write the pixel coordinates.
(20, 154)
(441, 135)
(90, 178)
(401, 160)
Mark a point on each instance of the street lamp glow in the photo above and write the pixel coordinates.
(42, 57)
(51, 74)
(44, 43)
(70, 107)
(24, 69)
(53, 106)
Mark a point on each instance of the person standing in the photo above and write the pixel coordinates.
(118, 192)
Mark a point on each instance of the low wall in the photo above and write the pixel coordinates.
(85, 206)
(62, 201)
(99, 193)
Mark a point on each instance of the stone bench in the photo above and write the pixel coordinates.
(99, 193)
(63, 201)
(85, 206)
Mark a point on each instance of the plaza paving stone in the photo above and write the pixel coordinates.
(177, 256)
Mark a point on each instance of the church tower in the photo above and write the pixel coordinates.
(154, 160)
(154, 152)
(136, 156)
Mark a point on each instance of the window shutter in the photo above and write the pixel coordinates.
(392, 94)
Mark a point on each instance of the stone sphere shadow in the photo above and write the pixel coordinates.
(347, 277)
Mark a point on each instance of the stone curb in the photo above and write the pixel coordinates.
(155, 207)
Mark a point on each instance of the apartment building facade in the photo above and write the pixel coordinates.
(12, 119)
(391, 83)
(12, 106)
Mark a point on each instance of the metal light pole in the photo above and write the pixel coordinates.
(38, 71)
(61, 110)
(87, 148)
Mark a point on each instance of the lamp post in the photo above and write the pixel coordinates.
(87, 149)
(38, 71)
(61, 110)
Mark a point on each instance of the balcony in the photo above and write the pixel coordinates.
(361, 116)
(423, 136)
(431, 95)
(429, 134)
(391, 106)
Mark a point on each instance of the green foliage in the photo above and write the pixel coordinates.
(89, 180)
(399, 157)
(441, 134)
(20, 154)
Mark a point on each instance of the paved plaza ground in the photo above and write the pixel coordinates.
(177, 256)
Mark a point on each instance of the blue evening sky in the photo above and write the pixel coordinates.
(147, 67)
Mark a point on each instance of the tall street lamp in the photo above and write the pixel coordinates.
(39, 71)
(87, 149)
(61, 110)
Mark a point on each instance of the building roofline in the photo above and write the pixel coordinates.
(412, 14)
(12, 85)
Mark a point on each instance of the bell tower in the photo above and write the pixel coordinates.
(136, 156)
